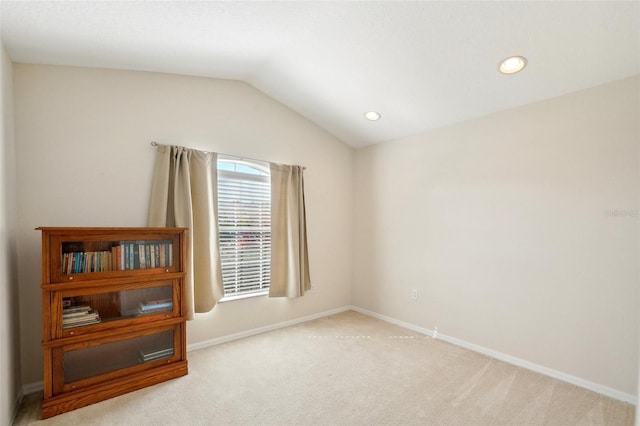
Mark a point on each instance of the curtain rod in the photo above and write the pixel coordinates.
(154, 143)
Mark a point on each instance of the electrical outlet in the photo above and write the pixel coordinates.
(414, 294)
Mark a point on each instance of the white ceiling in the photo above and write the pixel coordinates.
(422, 65)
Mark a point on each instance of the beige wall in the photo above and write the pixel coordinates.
(10, 380)
(84, 158)
(519, 230)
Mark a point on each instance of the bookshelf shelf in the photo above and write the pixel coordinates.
(113, 312)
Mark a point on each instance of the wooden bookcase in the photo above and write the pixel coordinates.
(113, 312)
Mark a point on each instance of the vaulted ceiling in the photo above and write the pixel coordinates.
(421, 65)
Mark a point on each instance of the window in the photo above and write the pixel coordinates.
(244, 219)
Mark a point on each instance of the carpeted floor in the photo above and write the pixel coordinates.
(347, 369)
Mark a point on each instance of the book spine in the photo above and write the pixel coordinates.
(135, 258)
(152, 256)
(162, 258)
(142, 257)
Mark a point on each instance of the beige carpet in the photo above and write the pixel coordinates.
(347, 369)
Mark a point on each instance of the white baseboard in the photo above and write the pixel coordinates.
(260, 330)
(595, 387)
(16, 405)
(32, 387)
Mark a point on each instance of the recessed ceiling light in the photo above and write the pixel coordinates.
(372, 115)
(512, 64)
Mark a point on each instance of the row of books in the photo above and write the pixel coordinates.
(92, 261)
(147, 355)
(153, 306)
(126, 255)
(144, 254)
(76, 316)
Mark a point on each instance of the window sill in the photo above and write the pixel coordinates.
(243, 296)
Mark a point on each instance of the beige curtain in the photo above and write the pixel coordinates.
(184, 193)
(289, 255)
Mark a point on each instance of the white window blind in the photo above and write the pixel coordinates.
(244, 219)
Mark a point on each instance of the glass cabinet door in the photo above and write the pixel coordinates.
(89, 309)
(100, 256)
(89, 362)
(80, 259)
